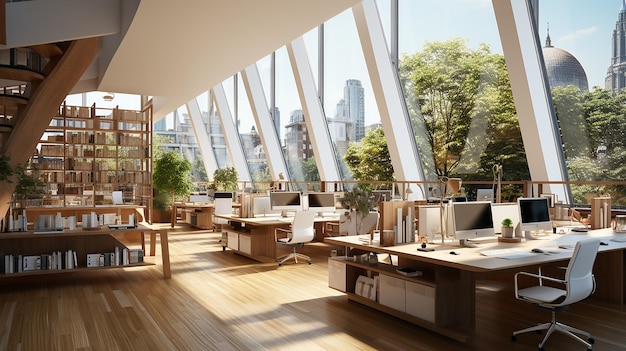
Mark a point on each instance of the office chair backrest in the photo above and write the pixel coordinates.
(579, 274)
(223, 206)
(302, 229)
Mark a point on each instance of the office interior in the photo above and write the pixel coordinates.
(118, 47)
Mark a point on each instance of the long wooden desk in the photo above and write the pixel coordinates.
(83, 242)
(451, 279)
(203, 214)
(254, 237)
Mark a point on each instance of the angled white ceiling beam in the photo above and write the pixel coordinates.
(406, 160)
(530, 91)
(314, 117)
(202, 137)
(265, 124)
(231, 135)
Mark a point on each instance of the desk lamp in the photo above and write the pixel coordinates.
(454, 185)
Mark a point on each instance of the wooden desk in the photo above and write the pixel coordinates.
(450, 280)
(254, 237)
(81, 241)
(197, 215)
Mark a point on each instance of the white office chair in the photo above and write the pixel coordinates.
(223, 206)
(300, 232)
(577, 285)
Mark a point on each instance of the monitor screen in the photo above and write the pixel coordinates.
(285, 201)
(223, 195)
(484, 194)
(534, 214)
(472, 220)
(321, 202)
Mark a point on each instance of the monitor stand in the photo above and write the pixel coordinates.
(468, 243)
(283, 214)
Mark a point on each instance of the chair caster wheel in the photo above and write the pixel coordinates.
(591, 341)
(513, 338)
(310, 262)
(541, 349)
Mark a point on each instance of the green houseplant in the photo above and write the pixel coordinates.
(358, 201)
(171, 177)
(507, 228)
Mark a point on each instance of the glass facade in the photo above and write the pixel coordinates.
(454, 73)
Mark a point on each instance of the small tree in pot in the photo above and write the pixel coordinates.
(171, 177)
(507, 228)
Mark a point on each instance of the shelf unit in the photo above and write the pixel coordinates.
(81, 242)
(427, 300)
(87, 153)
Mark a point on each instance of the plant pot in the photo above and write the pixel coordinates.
(507, 232)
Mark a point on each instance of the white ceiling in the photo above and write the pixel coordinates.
(176, 50)
(171, 50)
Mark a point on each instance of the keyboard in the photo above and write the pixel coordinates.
(500, 252)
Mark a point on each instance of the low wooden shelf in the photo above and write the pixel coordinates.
(83, 242)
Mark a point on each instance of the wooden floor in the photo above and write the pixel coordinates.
(221, 301)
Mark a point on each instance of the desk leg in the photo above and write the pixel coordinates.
(153, 243)
(165, 254)
(174, 212)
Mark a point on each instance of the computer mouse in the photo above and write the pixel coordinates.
(604, 243)
(453, 253)
(536, 250)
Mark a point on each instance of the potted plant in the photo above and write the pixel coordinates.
(358, 201)
(507, 228)
(171, 177)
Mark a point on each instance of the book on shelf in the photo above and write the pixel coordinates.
(409, 272)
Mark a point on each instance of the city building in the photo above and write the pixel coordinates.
(616, 73)
(563, 68)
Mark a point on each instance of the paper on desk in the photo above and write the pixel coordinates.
(513, 256)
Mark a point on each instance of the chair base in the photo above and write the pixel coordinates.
(560, 327)
(295, 255)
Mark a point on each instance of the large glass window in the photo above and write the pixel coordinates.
(584, 57)
(458, 94)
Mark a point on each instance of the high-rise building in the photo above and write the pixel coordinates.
(354, 107)
(616, 73)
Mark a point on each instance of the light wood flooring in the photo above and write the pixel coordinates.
(222, 301)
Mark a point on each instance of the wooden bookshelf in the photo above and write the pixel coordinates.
(87, 153)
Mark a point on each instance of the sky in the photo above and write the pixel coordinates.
(581, 27)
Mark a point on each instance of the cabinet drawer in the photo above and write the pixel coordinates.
(337, 275)
(245, 244)
(420, 301)
(233, 241)
(392, 292)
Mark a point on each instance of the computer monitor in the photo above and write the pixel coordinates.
(321, 202)
(285, 201)
(472, 220)
(223, 195)
(534, 215)
(484, 195)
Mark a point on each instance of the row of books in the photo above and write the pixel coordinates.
(120, 257)
(63, 260)
(57, 260)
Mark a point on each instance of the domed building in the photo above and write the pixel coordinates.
(563, 68)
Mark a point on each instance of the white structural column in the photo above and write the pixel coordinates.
(265, 124)
(313, 112)
(231, 135)
(532, 101)
(202, 137)
(394, 116)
